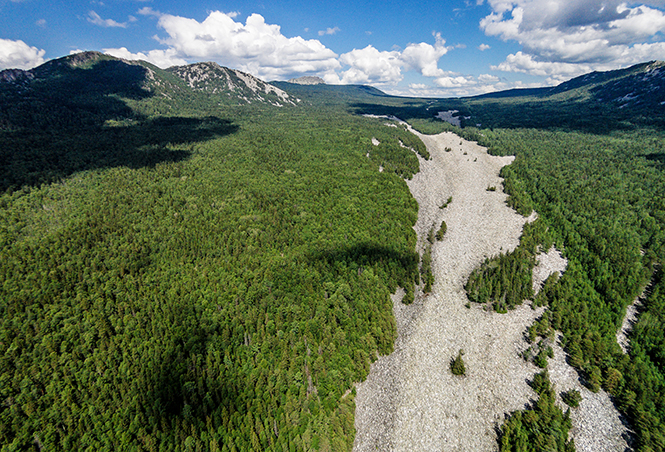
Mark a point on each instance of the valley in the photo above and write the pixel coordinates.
(195, 259)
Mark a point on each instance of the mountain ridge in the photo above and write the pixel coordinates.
(227, 86)
(616, 86)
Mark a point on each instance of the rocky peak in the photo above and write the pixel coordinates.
(15, 76)
(218, 80)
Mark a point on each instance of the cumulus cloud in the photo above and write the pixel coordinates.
(483, 47)
(488, 78)
(458, 85)
(554, 71)
(161, 58)
(424, 57)
(261, 49)
(370, 65)
(563, 38)
(148, 11)
(19, 55)
(255, 47)
(329, 31)
(455, 82)
(96, 19)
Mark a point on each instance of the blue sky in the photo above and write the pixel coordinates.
(414, 48)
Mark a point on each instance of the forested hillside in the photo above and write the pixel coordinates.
(185, 270)
(181, 276)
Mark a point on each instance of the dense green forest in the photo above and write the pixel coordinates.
(181, 273)
(505, 281)
(215, 280)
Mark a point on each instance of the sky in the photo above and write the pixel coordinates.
(426, 48)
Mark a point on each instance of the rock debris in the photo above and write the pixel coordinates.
(410, 400)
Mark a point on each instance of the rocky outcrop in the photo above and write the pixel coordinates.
(212, 78)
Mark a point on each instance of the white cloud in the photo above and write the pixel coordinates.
(454, 82)
(19, 55)
(488, 78)
(41, 23)
(370, 65)
(96, 19)
(424, 57)
(523, 62)
(483, 47)
(564, 38)
(161, 58)
(456, 85)
(557, 72)
(261, 49)
(329, 31)
(255, 47)
(148, 11)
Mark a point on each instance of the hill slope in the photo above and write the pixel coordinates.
(94, 72)
(596, 101)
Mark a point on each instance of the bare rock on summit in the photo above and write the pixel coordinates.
(218, 80)
(307, 80)
(15, 75)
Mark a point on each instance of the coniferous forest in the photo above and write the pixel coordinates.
(211, 281)
(180, 272)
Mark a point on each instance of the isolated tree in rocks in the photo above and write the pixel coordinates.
(457, 366)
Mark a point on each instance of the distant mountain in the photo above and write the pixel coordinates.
(77, 87)
(639, 86)
(332, 94)
(515, 92)
(594, 102)
(307, 80)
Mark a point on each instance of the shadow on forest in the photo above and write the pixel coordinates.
(368, 254)
(412, 109)
(512, 113)
(657, 159)
(170, 386)
(70, 119)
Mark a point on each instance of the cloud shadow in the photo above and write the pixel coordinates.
(62, 119)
